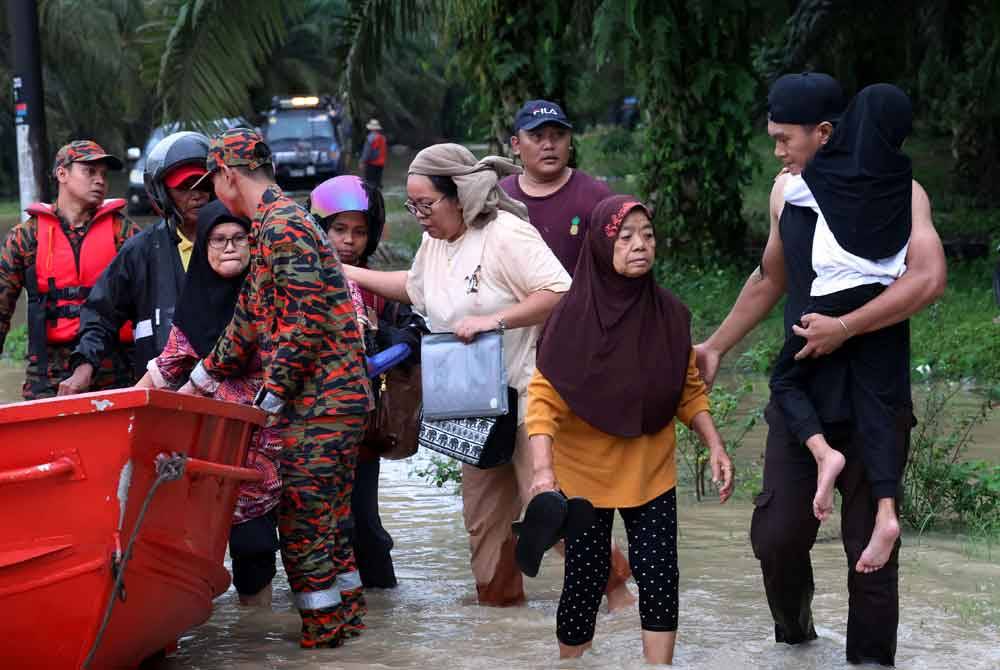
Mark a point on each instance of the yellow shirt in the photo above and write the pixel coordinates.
(609, 470)
(184, 248)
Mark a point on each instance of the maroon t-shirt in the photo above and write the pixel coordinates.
(564, 216)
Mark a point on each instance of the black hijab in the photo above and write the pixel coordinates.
(208, 299)
(375, 215)
(616, 348)
(861, 179)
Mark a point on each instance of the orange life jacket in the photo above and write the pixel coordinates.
(64, 280)
(380, 149)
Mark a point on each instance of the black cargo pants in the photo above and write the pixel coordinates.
(783, 531)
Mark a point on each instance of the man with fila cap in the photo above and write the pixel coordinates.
(57, 256)
(559, 198)
(295, 310)
(803, 109)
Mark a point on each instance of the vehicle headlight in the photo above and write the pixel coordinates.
(135, 177)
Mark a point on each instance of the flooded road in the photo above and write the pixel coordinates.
(948, 620)
(950, 596)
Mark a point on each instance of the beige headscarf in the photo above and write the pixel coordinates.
(478, 192)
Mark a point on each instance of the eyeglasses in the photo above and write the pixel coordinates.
(420, 207)
(239, 242)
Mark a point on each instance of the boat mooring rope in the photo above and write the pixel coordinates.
(168, 469)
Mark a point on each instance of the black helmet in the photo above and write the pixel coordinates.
(173, 150)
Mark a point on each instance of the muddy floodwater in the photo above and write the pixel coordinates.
(949, 601)
(949, 592)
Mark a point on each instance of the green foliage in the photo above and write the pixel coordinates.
(509, 51)
(939, 487)
(608, 152)
(956, 337)
(696, 84)
(212, 51)
(441, 470)
(976, 105)
(15, 346)
(732, 425)
(709, 290)
(92, 57)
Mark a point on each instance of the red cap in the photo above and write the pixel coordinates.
(180, 174)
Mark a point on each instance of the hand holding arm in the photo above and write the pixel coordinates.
(761, 292)
(389, 285)
(923, 282)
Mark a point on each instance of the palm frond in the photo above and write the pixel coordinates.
(368, 26)
(213, 53)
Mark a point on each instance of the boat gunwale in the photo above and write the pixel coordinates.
(102, 402)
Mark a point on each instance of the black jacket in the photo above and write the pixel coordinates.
(141, 285)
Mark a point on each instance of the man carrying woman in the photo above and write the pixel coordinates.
(480, 267)
(860, 187)
(802, 112)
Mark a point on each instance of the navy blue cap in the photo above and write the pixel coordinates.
(805, 99)
(537, 112)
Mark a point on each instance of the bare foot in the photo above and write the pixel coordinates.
(620, 599)
(879, 546)
(828, 469)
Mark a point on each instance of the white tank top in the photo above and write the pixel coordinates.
(836, 268)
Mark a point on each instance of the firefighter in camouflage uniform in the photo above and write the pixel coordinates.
(295, 309)
(56, 256)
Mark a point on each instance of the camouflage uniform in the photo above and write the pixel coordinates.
(18, 256)
(296, 311)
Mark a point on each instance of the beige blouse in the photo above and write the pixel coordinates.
(482, 272)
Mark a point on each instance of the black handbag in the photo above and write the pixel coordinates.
(484, 442)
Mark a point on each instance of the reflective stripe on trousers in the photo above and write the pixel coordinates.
(348, 581)
(317, 600)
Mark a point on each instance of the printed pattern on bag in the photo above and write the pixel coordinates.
(461, 439)
(482, 441)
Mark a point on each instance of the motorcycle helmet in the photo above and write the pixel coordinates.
(174, 150)
(348, 193)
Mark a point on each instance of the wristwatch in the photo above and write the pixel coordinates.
(268, 402)
(501, 325)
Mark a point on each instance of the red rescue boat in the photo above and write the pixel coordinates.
(80, 477)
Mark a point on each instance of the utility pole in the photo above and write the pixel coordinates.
(29, 102)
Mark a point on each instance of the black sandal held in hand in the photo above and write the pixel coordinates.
(539, 530)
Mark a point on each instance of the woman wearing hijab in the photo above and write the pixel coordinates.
(215, 274)
(480, 267)
(604, 430)
(860, 187)
(353, 215)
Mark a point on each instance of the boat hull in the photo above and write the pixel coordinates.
(74, 474)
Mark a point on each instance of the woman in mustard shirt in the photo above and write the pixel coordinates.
(615, 369)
